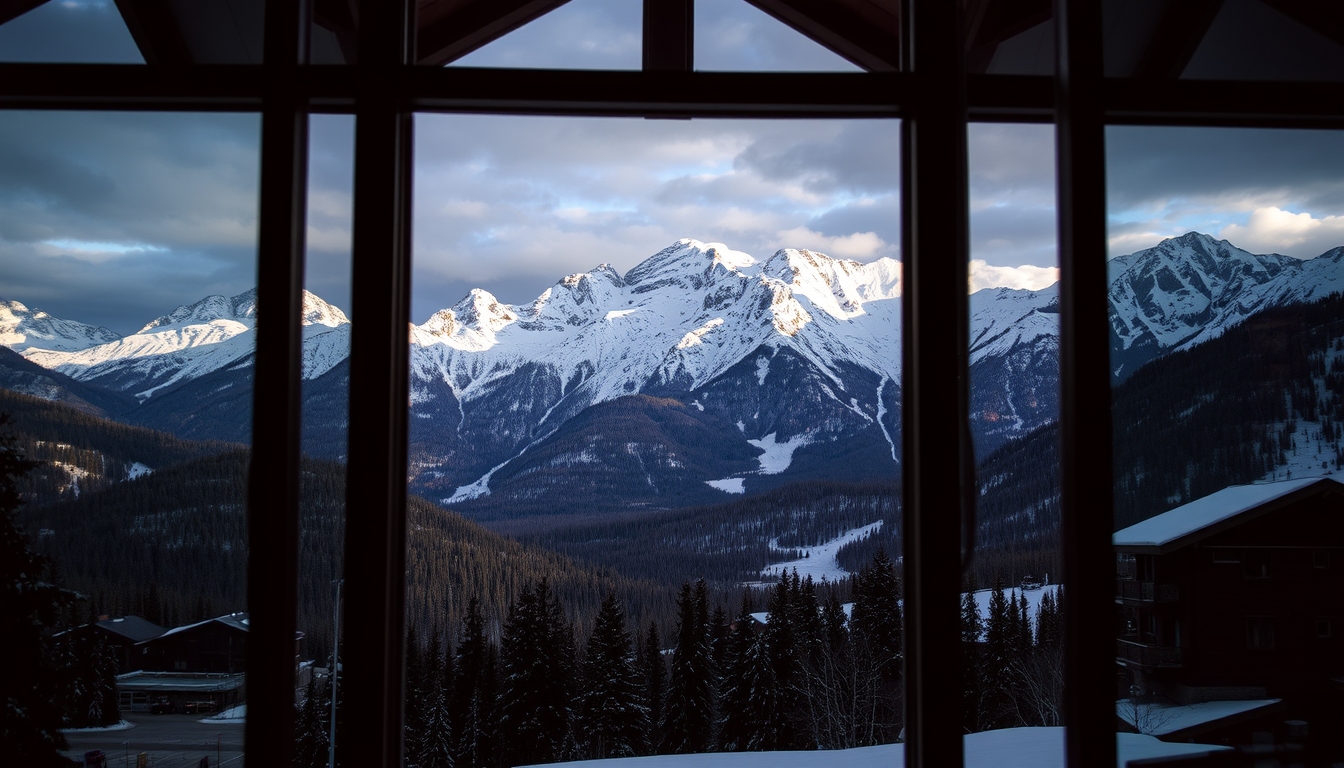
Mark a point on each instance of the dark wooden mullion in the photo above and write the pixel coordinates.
(934, 305)
(273, 478)
(669, 35)
(375, 530)
(1086, 494)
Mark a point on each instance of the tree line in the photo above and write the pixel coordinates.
(807, 673)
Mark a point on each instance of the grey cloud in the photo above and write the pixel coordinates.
(861, 156)
(1145, 164)
(731, 35)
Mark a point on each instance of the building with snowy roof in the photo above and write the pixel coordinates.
(1236, 597)
(121, 634)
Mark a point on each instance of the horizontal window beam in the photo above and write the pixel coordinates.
(661, 94)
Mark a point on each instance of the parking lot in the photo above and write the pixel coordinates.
(169, 741)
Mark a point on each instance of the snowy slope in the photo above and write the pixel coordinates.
(1005, 748)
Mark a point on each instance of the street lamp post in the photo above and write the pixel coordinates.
(335, 665)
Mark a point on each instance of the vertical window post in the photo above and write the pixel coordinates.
(375, 530)
(273, 478)
(934, 306)
(1086, 492)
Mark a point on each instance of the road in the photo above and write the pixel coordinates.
(170, 741)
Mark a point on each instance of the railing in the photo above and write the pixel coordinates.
(1147, 591)
(1149, 655)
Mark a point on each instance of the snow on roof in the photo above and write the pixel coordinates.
(132, 628)
(1163, 719)
(235, 620)
(1188, 519)
(1035, 747)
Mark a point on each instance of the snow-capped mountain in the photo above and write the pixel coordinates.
(1189, 289)
(22, 328)
(799, 349)
(700, 372)
(189, 342)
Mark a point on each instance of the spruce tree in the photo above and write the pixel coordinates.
(413, 720)
(736, 725)
(311, 744)
(655, 684)
(997, 660)
(613, 717)
(472, 702)
(434, 748)
(971, 691)
(536, 698)
(30, 726)
(689, 709)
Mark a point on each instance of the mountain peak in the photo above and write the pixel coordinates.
(687, 261)
(241, 308)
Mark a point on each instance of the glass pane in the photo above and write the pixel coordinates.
(624, 383)
(580, 34)
(326, 403)
(1011, 623)
(732, 35)
(1225, 263)
(69, 32)
(1009, 38)
(1278, 40)
(128, 249)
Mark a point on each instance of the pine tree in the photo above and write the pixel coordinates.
(689, 710)
(311, 747)
(971, 692)
(655, 684)
(1025, 640)
(1000, 634)
(736, 725)
(29, 606)
(413, 721)
(434, 748)
(535, 700)
(613, 718)
(472, 703)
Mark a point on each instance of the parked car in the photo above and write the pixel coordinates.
(197, 707)
(162, 706)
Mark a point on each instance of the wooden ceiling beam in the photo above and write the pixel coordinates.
(866, 32)
(155, 31)
(450, 29)
(1176, 38)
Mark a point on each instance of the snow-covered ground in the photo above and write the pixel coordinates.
(237, 714)
(820, 562)
(121, 725)
(1034, 597)
(1008, 748)
(777, 456)
(728, 484)
(1161, 719)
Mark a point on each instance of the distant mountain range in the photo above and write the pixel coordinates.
(699, 374)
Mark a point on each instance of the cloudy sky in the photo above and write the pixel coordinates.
(115, 219)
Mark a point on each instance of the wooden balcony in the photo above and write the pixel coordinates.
(1147, 591)
(1148, 656)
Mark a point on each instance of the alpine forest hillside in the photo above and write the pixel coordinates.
(171, 543)
(1263, 401)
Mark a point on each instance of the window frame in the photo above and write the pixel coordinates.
(934, 100)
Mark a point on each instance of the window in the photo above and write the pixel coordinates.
(1255, 565)
(1320, 559)
(1323, 628)
(1259, 633)
(381, 92)
(1225, 554)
